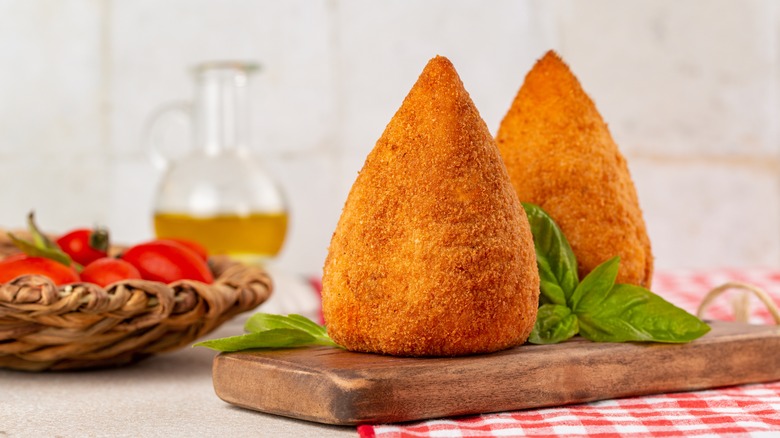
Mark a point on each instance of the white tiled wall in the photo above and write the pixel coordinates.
(688, 87)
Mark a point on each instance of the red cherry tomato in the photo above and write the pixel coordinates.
(16, 256)
(167, 261)
(76, 245)
(199, 249)
(57, 272)
(109, 270)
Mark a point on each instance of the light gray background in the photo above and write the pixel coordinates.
(689, 89)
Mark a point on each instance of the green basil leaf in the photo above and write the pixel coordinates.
(632, 313)
(554, 324)
(311, 326)
(273, 331)
(595, 286)
(266, 321)
(273, 338)
(554, 257)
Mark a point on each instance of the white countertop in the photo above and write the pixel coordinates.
(168, 395)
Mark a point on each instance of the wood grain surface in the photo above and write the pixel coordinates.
(329, 385)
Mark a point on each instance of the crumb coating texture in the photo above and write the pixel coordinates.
(560, 155)
(432, 255)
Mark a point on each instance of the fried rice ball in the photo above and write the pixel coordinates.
(432, 255)
(561, 156)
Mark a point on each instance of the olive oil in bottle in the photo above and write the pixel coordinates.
(218, 193)
(254, 236)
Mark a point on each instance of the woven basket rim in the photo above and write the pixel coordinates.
(83, 325)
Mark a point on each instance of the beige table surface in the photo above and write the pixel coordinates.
(170, 395)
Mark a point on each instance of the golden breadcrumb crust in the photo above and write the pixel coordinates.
(561, 156)
(432, 255)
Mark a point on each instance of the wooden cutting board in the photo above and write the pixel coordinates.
(329, 385)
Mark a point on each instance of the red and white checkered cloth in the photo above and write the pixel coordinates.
(748, 410)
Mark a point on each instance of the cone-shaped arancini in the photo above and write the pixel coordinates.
(432, 255)
(561, 156)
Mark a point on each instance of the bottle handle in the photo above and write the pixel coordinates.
(160, 151)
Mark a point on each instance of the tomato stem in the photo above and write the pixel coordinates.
(33, 250)
(42, 246)
(99, 239)
(39, 239)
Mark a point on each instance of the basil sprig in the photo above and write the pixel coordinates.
(597, 308)
(266, 330)
(554, 257)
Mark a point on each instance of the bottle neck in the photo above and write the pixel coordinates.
(222, 107)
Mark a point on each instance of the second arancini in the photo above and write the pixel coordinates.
(561, 156)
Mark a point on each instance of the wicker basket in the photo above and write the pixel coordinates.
(82, 325)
